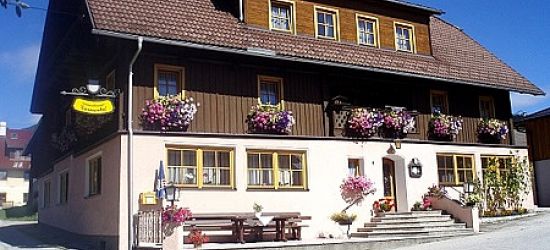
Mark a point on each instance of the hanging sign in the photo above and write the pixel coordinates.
(93, 107)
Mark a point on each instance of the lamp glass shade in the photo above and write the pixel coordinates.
(93, 88)
(468, 187)
(170, 193)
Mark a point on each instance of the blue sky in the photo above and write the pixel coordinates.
(516, 31)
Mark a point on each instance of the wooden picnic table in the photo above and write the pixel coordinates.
(238, 222)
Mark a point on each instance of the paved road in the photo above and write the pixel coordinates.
(15, 235)
(532, 233)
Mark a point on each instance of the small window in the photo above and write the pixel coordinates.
(326, 23)
(354, 167)
(455, 169)
(270, 90)
(3, 175)
(404, 37)
(439, 101)
(367, 31)
(13, 136)
(94, 176)
(64, 187)
(169, 80)
(277, 170)
(200, 167)
(282, 16)
(46, 197)
(110, 81)
(486, 107)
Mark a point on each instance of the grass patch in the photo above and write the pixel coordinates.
(23, 213)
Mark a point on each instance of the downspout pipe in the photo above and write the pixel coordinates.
(241, 11)
(130, 145)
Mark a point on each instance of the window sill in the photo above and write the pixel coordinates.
(187, 188)
(91, 196)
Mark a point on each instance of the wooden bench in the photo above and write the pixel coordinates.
(237, 224)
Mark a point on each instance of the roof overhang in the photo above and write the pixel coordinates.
(256, 53)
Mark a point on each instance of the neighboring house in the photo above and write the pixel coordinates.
(538, 139)
(314, 58)
(14, 167)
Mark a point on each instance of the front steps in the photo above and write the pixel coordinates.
(413, 226)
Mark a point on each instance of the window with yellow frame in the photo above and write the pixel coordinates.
(502, 163)
(281, 15)
(169, 80)
(404, 37)
(326, 23)
(454, 169)
(367, 30)
(277, 169)
(200, 167)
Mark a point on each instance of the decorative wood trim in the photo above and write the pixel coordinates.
(292, 6)
(413, 38)
(316, 9)
(376, 21)
(180, 70)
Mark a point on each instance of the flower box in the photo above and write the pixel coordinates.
(264, 119)
(365, 123)
(444, 127)
(169, 113)
(491, 130)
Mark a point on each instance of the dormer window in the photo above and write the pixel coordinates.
(367, 30)
(282, 16)
(13, 136)
(326, 23)
(404, 37)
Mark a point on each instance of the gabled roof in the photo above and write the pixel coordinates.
(6, 143)
(539, 114)
(200, 23)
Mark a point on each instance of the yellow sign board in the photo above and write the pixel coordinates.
(93, 107)
(148, 198)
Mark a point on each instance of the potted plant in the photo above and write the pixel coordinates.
(425, 205)
(444, 127)
(257, 209)
(396, 123)
(197, 238)
(382, 206)
(473, 199)
(342, 218)
(168, 113)
(363, 123)
(491, 130)
(263, 119)
(175, 215)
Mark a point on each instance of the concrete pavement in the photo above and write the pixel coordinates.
(532, 233)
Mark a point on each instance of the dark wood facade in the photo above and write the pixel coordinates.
(538, 138)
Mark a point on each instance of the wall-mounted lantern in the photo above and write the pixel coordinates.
(415, 168)
(172, 193)
(468, 187)
(397, 143)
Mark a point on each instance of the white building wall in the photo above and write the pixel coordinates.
(15, 187)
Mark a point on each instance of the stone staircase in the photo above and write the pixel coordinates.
(413, 225)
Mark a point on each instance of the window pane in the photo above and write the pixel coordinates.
(321, 30)
(225, 177)
(330, 31)
(223, 159)
(284, 161)
(320, 18)
(209, 159)
(296, 162)
(253, 161)
(189, 158)
(330, 19)
(284, 178)
(209, 176)
(266, 161)
(297, 178)
(174, 158)
(168, 82)
(190, 176)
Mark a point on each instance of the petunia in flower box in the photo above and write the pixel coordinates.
(363, 123)
(444, 127)
(396, 123)
(169, 113)
(263, 119)
(491, 130)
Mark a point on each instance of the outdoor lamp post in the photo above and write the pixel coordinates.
(468, 187)
(172, 193)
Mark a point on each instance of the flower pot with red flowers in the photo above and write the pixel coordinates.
(197, 237)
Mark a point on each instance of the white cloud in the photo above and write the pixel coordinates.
(21, 62)
(529, 103)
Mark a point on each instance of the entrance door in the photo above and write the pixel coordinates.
(388, 167)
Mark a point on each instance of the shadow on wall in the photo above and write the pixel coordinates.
(33, 235)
